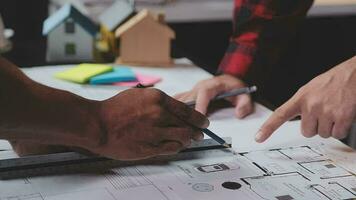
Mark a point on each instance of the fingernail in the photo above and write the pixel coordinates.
(206, 123)
(239, 115)
(242, 112)
(258, 137)
(201, 137)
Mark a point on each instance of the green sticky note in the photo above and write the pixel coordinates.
(83, 72)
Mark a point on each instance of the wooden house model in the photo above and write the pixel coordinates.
(145, 40)
(70, 36)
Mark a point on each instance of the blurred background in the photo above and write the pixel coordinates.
(203, 28)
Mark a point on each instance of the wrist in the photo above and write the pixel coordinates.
(231, 79)
(223, 77)
(348, 66)
(66, 119)
(353, 62)
(345, 72)
(91, 133)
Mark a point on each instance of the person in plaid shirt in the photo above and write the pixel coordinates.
(262, 30)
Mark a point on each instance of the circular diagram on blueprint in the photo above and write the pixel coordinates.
(203, 187)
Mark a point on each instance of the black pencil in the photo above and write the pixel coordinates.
(216, 138)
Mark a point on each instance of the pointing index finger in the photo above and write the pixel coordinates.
(284, 113)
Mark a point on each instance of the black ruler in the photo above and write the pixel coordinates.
(74, 162)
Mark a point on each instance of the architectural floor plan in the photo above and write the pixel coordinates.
(301, 172)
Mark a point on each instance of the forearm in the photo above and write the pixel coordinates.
(349, 69)
(32, 112)
(261, 32)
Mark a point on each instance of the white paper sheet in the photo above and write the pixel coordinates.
(302, 172)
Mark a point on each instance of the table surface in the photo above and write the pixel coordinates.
(180, 78)
(179, 11)
(177, 79)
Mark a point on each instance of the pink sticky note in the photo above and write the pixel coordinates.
(141, 78)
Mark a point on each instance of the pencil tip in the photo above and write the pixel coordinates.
(227, 145)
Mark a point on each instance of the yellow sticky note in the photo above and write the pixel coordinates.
(83, 72)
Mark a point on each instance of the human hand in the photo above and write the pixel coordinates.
(141, 123)
(207, 89)
(327, 105)
(135, 124)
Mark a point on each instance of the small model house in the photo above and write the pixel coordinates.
(5, 44)
(145, 40)
(70, 36)
(109, 20)
(116, 14)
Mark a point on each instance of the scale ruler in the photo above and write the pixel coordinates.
(73, 162)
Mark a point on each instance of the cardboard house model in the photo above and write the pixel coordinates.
(70, 36)
(145, 40)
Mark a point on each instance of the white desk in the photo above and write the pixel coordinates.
(176, 79)
(181, 11)
(181, 78)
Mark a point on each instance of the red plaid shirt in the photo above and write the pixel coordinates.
(259, 22)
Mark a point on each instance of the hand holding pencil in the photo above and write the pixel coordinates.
(221, 87)
(206, 90)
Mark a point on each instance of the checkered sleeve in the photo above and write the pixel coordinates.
(252, 27)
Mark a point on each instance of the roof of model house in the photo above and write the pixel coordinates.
(140, 17)
(116, 14)
(69, 11)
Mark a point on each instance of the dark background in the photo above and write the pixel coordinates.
(320, 44)
(25, 18)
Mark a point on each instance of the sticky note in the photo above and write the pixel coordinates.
(83, 72)
(141, 78)
(120, 74)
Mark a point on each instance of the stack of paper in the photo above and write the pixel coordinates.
(105, 74)
(83, 72)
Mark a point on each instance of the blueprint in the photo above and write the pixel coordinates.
(301, 172)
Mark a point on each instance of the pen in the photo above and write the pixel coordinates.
(245, 90)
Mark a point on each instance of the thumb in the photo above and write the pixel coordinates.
(203, 99)
(243, 105)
